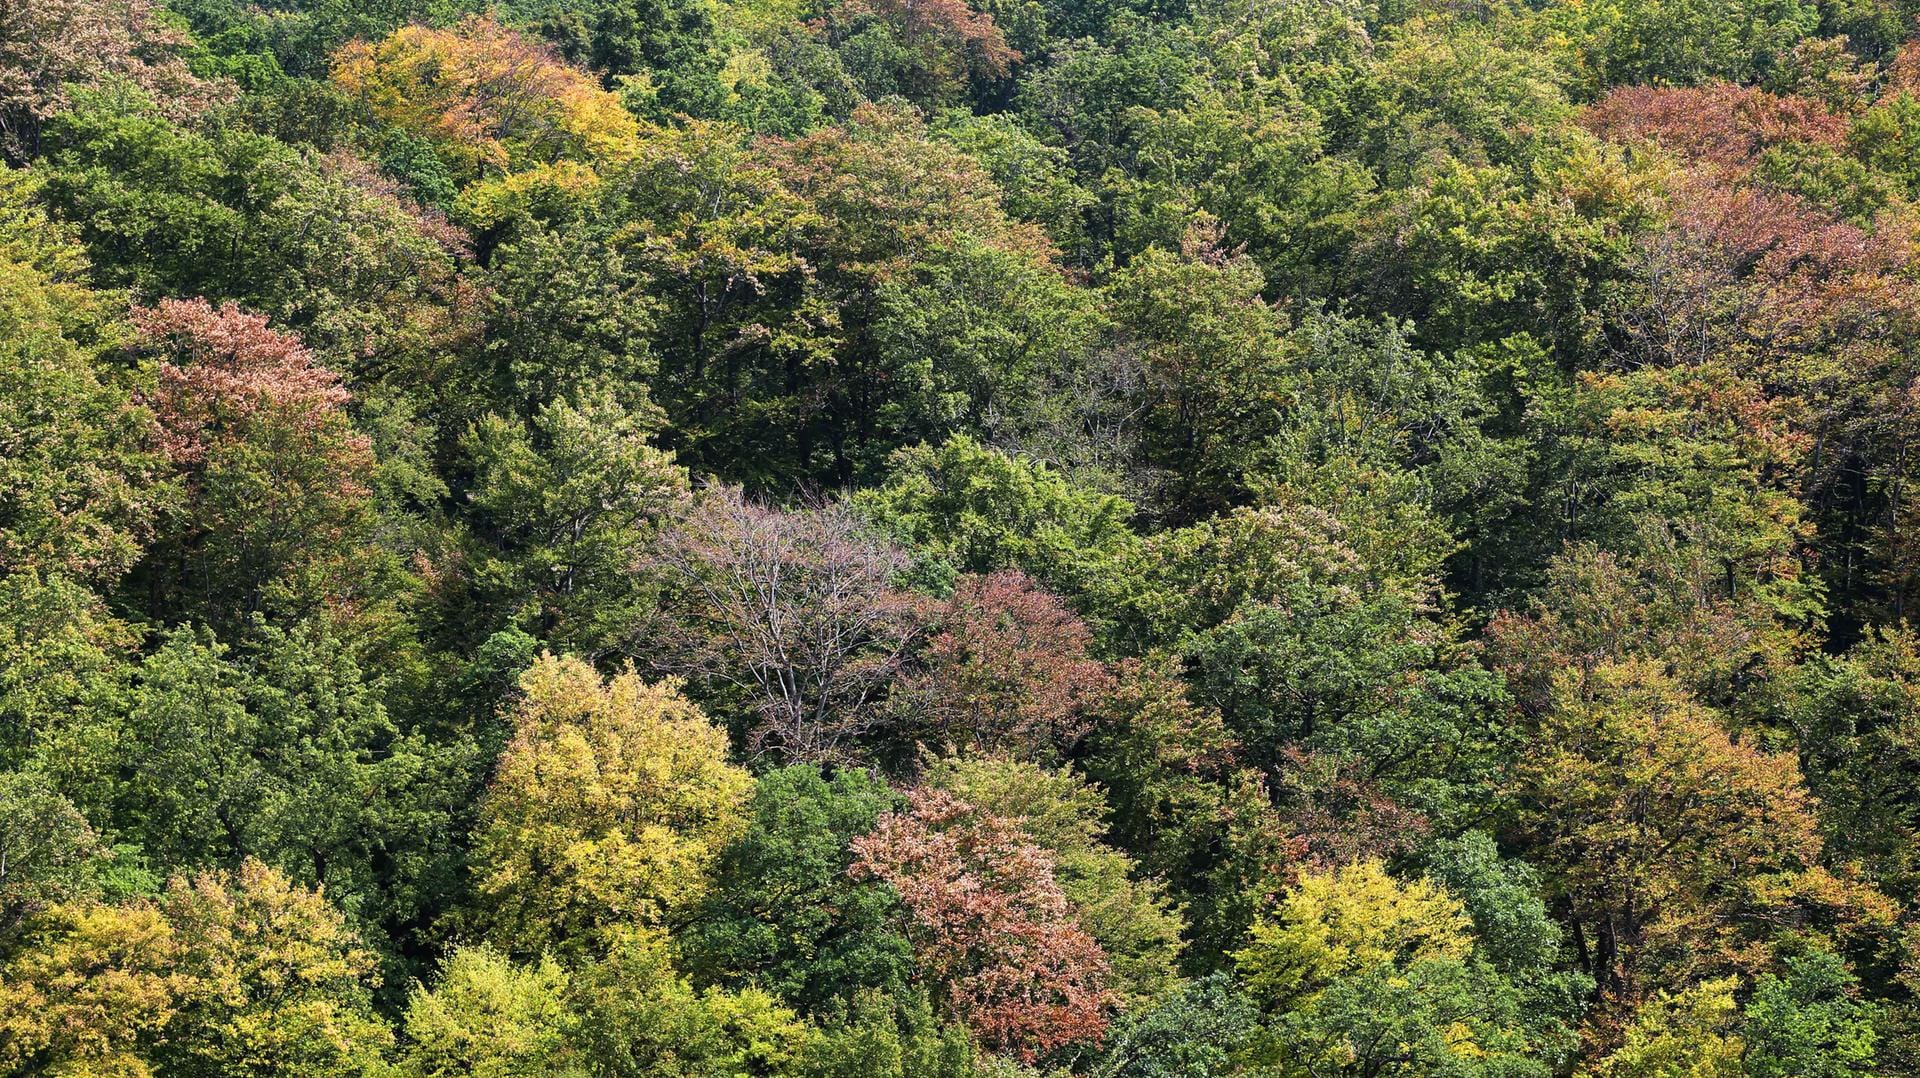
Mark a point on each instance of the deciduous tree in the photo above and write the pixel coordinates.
(991, 927)
(609, 807)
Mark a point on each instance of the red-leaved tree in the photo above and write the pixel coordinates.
(1724, 125)
(277, 480)
(223, 370)
(990, 926)
(1007, 670)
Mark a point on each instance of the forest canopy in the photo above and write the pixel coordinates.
(960, 538)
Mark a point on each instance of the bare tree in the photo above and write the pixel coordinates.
(796, 611)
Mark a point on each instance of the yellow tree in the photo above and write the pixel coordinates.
(1678, 847)
(1692, 1034)
(489, 99)
(1347, 921)
(1374, 977)
(609, 806)
(225, 973)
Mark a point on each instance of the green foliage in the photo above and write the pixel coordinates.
(297, 765)
(1217, 369)
(1204, 1029)
(971, 509)
(784, 914)
(79, 482)
(566, 503)
(1234, 537)
(315, 241)
(1808, 1022)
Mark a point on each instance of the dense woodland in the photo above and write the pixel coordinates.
(945, 539)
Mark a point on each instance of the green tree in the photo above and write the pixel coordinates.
(566, 504)
(284, 753)
(1218, 365)
(784, 913)
(80, 481)
(1809, 1022)
(974, 509)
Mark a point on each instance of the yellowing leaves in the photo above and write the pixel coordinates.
(1350, 920)
(609, 806)
(489, 99)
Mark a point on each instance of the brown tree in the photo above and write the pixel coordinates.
(47, 47)
(1677, 849)
(1723, 124)
(278, 506)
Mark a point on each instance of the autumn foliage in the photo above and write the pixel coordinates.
(959, 538)
(991, 925)
(491, 99)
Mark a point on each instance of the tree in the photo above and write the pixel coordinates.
(1430, 1016)
(80, 482)
(1674, 845)
(609, 807)
(1676, 41)
(1006, 670)
(220, 368)
(319, 242)
(283, 752)
(1511, 924)
(936, 47)
(277, 509)
(1218, 367)
(1724, 124)
(1207, 1028)
(568, 503)
(1240, 163)
(979, 510)
(1127, 913)
(639, 1016)
(785, 914)
(1334, 924)
(1853, 719)
(1372, 976)
(48, 853)
(1185, 805)
(225, 973)
(991, 927)
(63, 686)
(1453, 88)
(488, 1018)
(1808, 1022)
(739, 319)
(675, 45)
(934, 291)
(793, 618)
(567, 317)
(1691, 1032)
(47, 47)
(491, 100)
